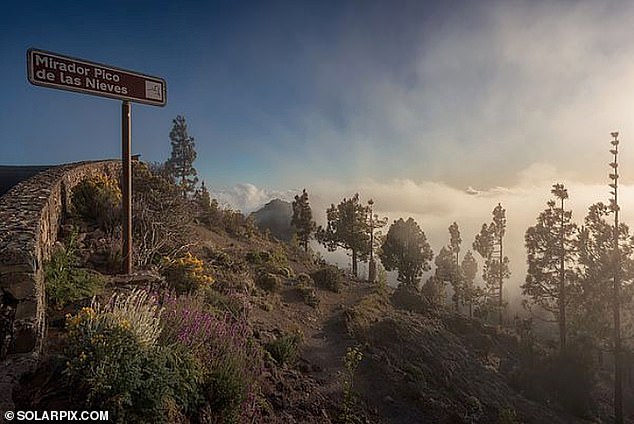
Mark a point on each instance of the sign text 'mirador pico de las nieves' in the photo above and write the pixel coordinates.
(67, 73)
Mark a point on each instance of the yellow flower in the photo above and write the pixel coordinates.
(125, 324)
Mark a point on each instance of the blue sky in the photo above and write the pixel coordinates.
(255, 80)
(280, 94)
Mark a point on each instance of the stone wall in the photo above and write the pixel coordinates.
(30, 217)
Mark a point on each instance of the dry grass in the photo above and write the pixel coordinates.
(137, 308)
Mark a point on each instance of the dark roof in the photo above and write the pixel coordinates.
(12, 175)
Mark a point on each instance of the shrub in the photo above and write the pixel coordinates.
(160, 216)
(566, 378)
(212, 214)
(508, 416)
(267, 281)
(306, 288)
(65, 282)
(233, 303)
(284, 349)
(222, 343)
(186, 274)
(351, 362)
(274, 258)
(235, 224)
(304, 278)
(308, 295)
(108, 364)
(222, 260)
(571, 378)
(329, 277)
(138, 310)
(474, 410)
(226, 390)
(258, 258)
(98, 198)
(286, 272)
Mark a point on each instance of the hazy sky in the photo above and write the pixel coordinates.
(409, 102)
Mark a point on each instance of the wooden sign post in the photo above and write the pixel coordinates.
(53, 70)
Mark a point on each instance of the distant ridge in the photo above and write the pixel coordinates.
(11, 175)
(276, 217)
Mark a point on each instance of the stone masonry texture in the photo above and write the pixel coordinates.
(31, 214)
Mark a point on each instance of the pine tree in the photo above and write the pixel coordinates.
(203, 198)
(551, 255)
(434, 290)
(470, 292)
(374, 224)
(445, 270)
(406, 250)
(302, 219)
(180, 164)
(456, 277)
(595, 243)
(347, 228)
(489, 244)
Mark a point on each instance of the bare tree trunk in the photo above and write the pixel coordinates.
(354, 262)
(562, 286)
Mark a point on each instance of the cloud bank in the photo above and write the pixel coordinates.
(487, 90)
(435, 206)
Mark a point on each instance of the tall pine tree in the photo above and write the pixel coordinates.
(593, 307)
(445, 269)
(347, 228)
(489, 244)
(550, 245)
(180, 165)
(406, 250)
(456, 275)
(470, 293)
(302, 219)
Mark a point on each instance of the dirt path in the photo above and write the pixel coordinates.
(325, 335)
(325, 348)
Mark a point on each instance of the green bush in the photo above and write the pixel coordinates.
(306, 288)
(98, 198)
(568, 379)
(233, 303)
(236, 225)
(226, 390)
(275, 258)
(308, 295)
(114, 371)
(65, 282)
(258, 258)
(508, 416)
(267, 281)
(329, 277)
(224, 261)
(351, 362)
(284, 349)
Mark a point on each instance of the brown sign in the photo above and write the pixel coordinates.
(68, 73)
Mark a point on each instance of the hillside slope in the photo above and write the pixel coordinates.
(420, 364)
